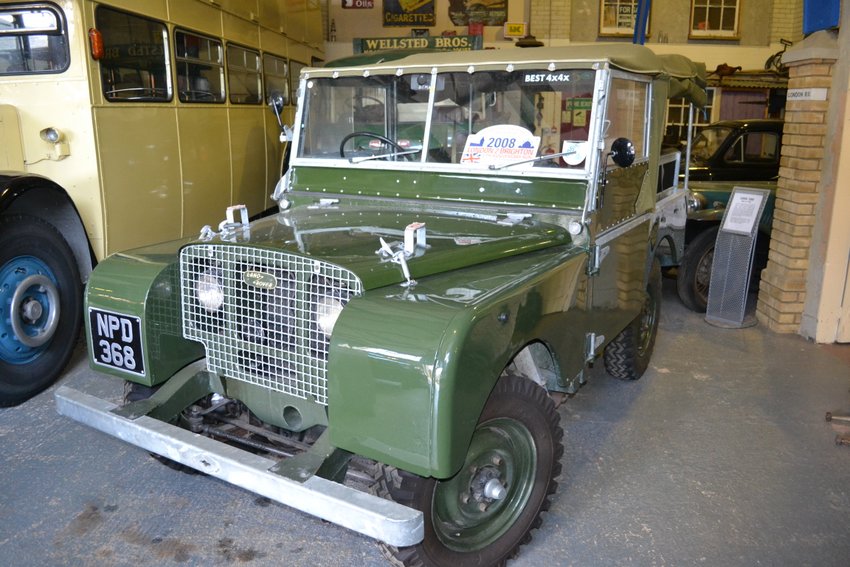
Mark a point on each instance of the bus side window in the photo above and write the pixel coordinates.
(276, 72)
(200, 67)
(32, 40)
(243, 75)
(134, 67)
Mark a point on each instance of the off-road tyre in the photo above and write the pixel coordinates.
(523, 412)
(32, 248)
(694, 277)
(627, 356)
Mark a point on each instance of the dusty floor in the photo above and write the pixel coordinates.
(719, 456)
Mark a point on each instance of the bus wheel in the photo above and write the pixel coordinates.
(483, 514)
(40, 306)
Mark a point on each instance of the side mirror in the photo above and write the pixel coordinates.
(623, 152)
(276, 102)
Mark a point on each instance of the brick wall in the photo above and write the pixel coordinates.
(787, 21)
(783, 283)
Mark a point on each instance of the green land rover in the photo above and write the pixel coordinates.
(459, 236)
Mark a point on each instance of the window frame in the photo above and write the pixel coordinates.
(618, 30)
(61, 31)
(181, 59)
(269, 84)
(702, 117)
(719, 33)
(608, 136)
(257, 73)
(166, 55)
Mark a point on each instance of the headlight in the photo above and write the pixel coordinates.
(696, 202)
(209, 292)
(327, 312)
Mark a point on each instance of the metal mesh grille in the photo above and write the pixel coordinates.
(730, 277)
(265, 331)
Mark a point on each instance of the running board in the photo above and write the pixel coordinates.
(361, 512)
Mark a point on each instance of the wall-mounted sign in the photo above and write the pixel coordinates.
(358, 4)
(515, 29)
(441, 43)
(806, 94)
(486, 12)
(409, 13)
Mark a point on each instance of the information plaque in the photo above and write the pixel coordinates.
(732, 265)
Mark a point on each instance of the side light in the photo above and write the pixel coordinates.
(96, 44)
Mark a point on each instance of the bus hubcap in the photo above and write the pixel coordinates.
(30, 301)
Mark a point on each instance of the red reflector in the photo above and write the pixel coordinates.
(96, 42)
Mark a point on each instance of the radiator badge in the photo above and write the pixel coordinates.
(261, 280)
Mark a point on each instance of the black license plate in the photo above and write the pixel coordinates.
(116, 341)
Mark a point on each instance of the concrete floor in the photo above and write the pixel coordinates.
(719, 456)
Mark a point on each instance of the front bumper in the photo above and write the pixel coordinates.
(361, 512)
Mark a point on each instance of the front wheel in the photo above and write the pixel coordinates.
(487, 510)
(40, 306)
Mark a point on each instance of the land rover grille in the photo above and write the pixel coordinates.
(258, 313)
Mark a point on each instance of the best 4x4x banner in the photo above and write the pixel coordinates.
(409, 13)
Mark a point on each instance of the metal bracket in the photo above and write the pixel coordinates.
(597, 256)
(592, 342)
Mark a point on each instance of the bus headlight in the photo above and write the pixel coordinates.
(209, 291)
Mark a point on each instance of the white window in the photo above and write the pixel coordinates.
(714, 19)
(617, 17)
(676, 131)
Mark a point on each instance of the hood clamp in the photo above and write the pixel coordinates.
(415, 244)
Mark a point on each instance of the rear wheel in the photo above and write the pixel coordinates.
(487, 510)
(40, 306)
(627, 356)
(694, 274)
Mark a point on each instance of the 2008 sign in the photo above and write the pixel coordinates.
(116, 341)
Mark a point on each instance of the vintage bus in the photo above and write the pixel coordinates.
(123, 123)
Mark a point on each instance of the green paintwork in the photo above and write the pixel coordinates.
(442, 186)
(409, 392)
(503, 449)
(348, 234)
(145, 283)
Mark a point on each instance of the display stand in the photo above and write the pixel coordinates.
(732, 265)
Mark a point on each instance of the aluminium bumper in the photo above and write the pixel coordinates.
(358, 511)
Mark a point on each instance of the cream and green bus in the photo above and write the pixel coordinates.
(124, 123)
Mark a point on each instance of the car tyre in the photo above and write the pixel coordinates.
(518, 442)
(694, 277)
(627, 356)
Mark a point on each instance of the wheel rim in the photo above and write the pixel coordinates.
(702, 276)
(30, 301)
(479, 504)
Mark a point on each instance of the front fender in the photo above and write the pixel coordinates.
(411, 369)
(144, 283)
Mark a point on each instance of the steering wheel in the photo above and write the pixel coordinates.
(364, 134)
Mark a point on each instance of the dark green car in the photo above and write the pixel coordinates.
(460, 235)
